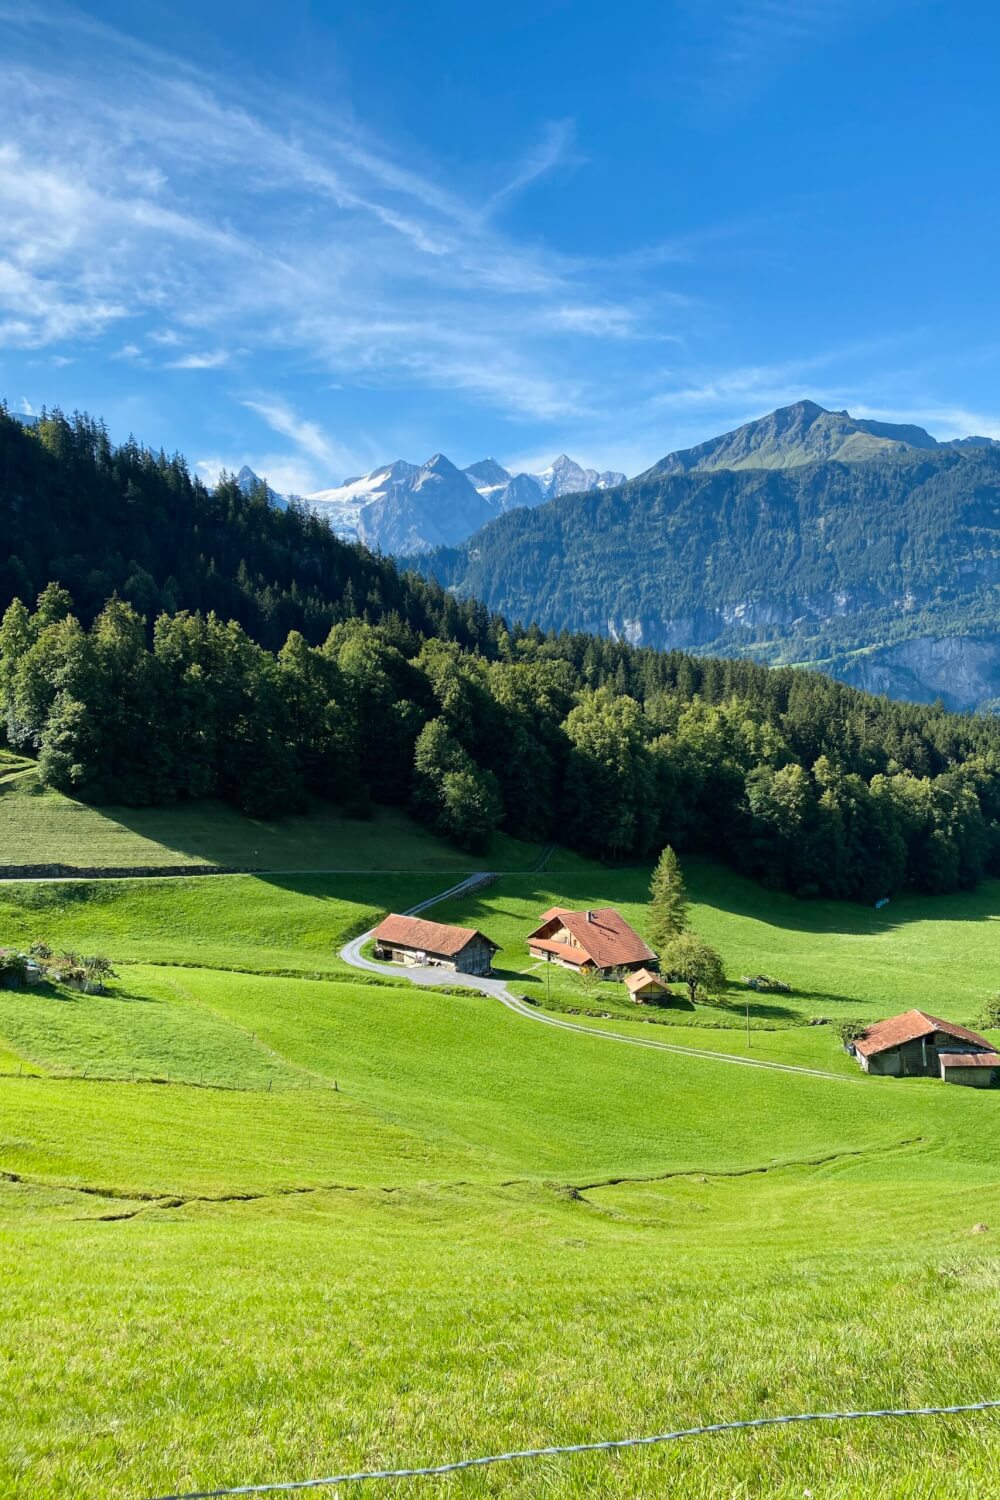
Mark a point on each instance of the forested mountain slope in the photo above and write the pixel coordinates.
(880, 564)
(103, 520)
(188, 644)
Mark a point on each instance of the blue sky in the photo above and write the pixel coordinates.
(315, 236)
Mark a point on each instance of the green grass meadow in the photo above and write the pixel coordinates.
(842, 961)
(41, 826)
(265, 1218)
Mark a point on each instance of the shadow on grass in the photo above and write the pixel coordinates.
(713, 885)
(45, 991)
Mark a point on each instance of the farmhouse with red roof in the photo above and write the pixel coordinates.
(599, 939)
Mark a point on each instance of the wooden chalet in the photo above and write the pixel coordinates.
(417, 942)
(599, 939)
(916, 1045)
(644, 987)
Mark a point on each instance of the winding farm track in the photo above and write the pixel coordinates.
(497, 988)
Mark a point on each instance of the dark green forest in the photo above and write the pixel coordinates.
(162, 642)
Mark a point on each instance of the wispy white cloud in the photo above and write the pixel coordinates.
(213, 361)
(318, 455)
(285, 473)
(330, 250)
(185, 222)
(734, 48)
(943, 421)
(556, 148)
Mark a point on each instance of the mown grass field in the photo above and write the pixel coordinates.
(238, 921)
(356, 1224)
(40, 826)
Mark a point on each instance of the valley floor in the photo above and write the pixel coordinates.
(264, 1217)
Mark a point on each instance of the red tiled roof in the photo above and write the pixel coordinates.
(640, 977)
(969, 1060)
(910, 1027)
(565, 951)
(604, 935)
(553, 911)
(427, 937)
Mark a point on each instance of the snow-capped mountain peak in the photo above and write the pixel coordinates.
(564, 476)
(407, 508)
(487, 473)
(248, 482)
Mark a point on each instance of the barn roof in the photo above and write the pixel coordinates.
(969, 1060)
(603, 934)
(427, 937)
(910, 1027)
(640, 977)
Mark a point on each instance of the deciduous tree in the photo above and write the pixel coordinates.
(694, 964)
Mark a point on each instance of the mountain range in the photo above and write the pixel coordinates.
(412, 508)
(868, 549)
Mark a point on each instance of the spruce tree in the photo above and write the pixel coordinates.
(668, 901)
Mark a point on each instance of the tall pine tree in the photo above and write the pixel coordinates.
(668, 901)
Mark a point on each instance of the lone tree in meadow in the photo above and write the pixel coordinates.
(693, 963)
(97, 968)
(668, 901)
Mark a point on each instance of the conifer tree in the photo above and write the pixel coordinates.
(668, 900)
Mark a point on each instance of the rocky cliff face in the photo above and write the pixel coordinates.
(963, 671)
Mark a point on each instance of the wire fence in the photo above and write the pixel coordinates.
(433, 1471)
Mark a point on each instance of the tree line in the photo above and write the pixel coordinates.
(383, 689)
(816, 789)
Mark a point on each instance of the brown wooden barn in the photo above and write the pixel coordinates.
(916, 1045)
(598, 939)
(416, 941)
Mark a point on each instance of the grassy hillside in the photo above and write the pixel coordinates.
(403, 1226)
(39, 826)
(842, 961)
(294, 923)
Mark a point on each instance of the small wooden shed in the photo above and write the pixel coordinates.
(644, 987)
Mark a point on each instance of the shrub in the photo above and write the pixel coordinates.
(13, 970)
(990, 1017)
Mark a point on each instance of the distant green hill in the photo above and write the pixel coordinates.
(804, 433)
(867, 549)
